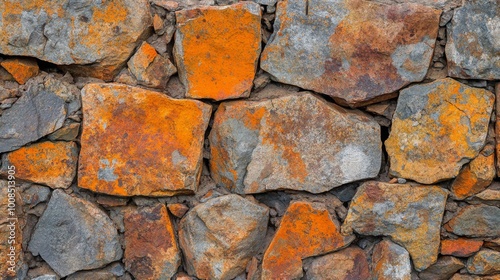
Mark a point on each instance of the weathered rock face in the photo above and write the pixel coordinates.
(438, 4)
(474, 177)
(473, 46)
(390, 261)
(306, 230)
(349, 263)
(21, 68)
(73, 234)
(484, 262)
(437, 127)
(443, 269)
(356, 51)
(298, 142)
(460, 247)
(216, 50)
(220, 236)
(11, 239)
(41, 110)
(476, 221)
(151, 250)
(410, 215)
(102, 33)
(140, 142)
(49, 163)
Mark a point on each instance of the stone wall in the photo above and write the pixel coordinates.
(215, 139)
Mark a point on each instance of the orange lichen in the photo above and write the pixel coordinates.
(21, 68)
(460, 247)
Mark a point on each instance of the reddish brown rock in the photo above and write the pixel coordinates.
(140, 142)
(21, 68)
(476, 221)
(443, 269)
(474, 177)
(436, 129)
(216, 50)
(49, 163)
(484, 262)
(349, 263)
(11, 258)
(178, 209)
(390, 261)
(356, 51)
(151, 250)
(460, 247)
(306, 230)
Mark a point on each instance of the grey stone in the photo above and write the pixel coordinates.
(438, 4)
(484, 262)
(476, 221)
(390, 261)
(73, 234)
(35, 195)
(443, 269)
(46, 277)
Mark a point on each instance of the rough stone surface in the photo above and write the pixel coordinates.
(473, 45)
(476, 221)
(306, 230)
(410, 215)
(460, 247)
(356, 51)
(390, 261)
(21, 68)
(443, 269)
(219, 237)
(474, 177)
(39, 111)
(73, 234)
(8, 268)
(178, 209)
(49, 163)
(100, 33)
(292, 142)
(349, 263)
(438, 4)
(140, 142)
(228, 40)
(484, 262)
(151, 250)
(437, 127)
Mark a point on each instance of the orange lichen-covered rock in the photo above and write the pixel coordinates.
(140, 142)
(460, 247)
(177, 209)
(11, 234)
(91, 37)
(410, 215)
(49, 163)
(151, 250)
(356, 51)
(297, 141)
(21, 68)
(306, 230)
(437, 128)
(217, 48)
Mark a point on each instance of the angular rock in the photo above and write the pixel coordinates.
(178, 209)
(48, 163)
(476, 221)
(11, 237)
(473, 44)
(151, 250)
(306, 230)
(140, 142)
(491, 194)
(99, 36)
(73, 234)
(437, 128)
(458, 276)
(410, 215)
(474, 177)
(356, 51)
(292, 142)
(460, 247)
(216, 50)
(149, 68)
(390, 261)
(443, 269)
(41, 110)
(220, 236)
(349, 263)
(66, 133)
(484, 262)
(21, 68)
(35, 194)
(438, 4)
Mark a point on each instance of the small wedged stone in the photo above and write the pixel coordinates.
(476, 221)
(474, 177)
(21, 69)
(443, 269)
(390, 261)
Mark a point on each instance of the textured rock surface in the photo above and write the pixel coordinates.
(473, 46)
(228, 40)
(460, 247)
(476, 221)
(140, 142)
(73, 234)
(9, 227)
(151, 250)
(474, 177)
(349, 263)
(484, 262)
(306, 230)
(103, 33)
(356, 51)
(292, 142)
(21, 68)
(437, 127)
(443, 269)
(410, 215)
(390, 261)
(49, 163)
(219, 237)
(439, 4)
